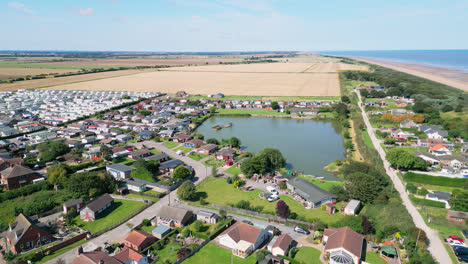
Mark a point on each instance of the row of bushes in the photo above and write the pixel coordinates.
(427, 202)
(242, 204)
(434, 180)
(24, 191)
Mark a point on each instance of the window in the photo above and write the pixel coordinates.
(21, 246)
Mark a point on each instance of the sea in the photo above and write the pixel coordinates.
(447, 59)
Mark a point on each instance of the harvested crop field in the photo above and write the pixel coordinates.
(9, 73)
(149, 62)
(229, 83)
(278, 67)
(64, 80)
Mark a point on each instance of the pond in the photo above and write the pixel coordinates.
(307, 145)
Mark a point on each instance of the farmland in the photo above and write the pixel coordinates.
(10, 73)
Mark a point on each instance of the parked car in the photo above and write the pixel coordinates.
(247, 222)
(272, 190)
(301, 230)
(455, 238)
(465, 233)
(455, 243)
(463, 258)
(272, 198)
(461, 251)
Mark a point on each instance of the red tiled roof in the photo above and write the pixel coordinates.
(138, 237)
(128, 253)
(346, 238)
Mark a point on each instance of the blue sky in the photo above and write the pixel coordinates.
(233, 25)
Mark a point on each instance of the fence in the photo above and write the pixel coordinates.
(114, 196)
(160, 186)
(270, 218)
(65, 243)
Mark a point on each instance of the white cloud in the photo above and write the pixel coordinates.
(21, 7)
(84, 11)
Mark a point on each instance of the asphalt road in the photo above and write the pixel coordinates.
(436, 247)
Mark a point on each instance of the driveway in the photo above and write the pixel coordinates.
(119, 233)
(436, 247)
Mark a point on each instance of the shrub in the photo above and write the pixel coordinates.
(283, 185)
(229, 180)
(146, 222)
(238, 183)
(411, 188)
(427, 202)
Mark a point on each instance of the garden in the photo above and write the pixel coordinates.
(171, 144)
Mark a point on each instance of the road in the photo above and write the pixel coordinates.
(119, 233)
(436, 247)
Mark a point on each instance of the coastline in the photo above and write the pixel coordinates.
(449, 77)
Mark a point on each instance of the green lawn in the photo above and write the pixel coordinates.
(147, 229)
(146, 177)
(308, 255)
(326, 114)
(233, 170)
(196, 156)
(212, 254)
(326, 185)
(367, 139)
(374, 258)
(183, 149)
(213, 162)
(122, 208)
(216, 190)
(169, 252)
(153, 199)
(155, 151)
(61, 251)
(171, 144)
(126, 161)
(152, 192)
(247, 111)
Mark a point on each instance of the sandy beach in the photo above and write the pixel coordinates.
(453, 78)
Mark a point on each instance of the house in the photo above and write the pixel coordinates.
(344, 245)
(456, 162)
(89, 140)
(173, 217)
(160, 158)
(96, 207)
(303, 111)
(432, 159)
(181, 138)
(170, 165)
(352, 208)
(443, 197)
(194, 143)
(145, 135)
(207, 217)
(6, 163)
(130, 256)
(108, 141)
(369, 103)
(227, 154)
(439, 150)
(270, 259)
(280, 245)
(141, 153)
(312, 195)
(243, 239)
(75, 204)
(207, 149)
(401, 135)
(119, 171)
(434, 131)
(408, 123)
(457, 216)
(160, 231)
(139, 240)
(17, 176)
(135, 186)
(94, 257)
(400, 111)
(24, 234)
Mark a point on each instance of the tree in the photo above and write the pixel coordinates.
(362, 186)
(282, 209)
(353, 222)
(234, 142)
(345, 99)
(251, 166)
(57, 174)
(69, 217)
(212, 109)
(283, 185)
(261, 254)
(238, 183)
(367, 227)
(446, 108)
(197, 226)
(346, 134)
(198, 136)
(340, 193)
(348, 144)
(212, 141)
(459, 201)
(81, 184)
(187, 191)
(274, 157)
(275, 105)
(364, 93)
(222, 214)
(145, 112)
(106, 152)
(214, 173)
(125, 96)
(402, 159)
(181, 173)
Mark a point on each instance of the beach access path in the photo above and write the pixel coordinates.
(436, 247)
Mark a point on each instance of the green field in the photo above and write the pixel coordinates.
(351, 84)
(374, 258)
(153, 199)
(171, 144)
(196, 156)
(367, 139)
(233, 170)
(248, 112)
(155, 151)
(326, 185)
(212, 254)
(183, 149)
(121, 209)
(308, 255)
(216, 190)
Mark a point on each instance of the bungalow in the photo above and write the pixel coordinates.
(207, 149)
(16, 177)
(440, 150)
(369, 103)
(207, 217)
(96, 207)
(303, 111)
(194, 143)
(119, 171)
(181, 138)
(408, 123)
(243, 239)
(170, 165)
(94, 257)
(89, 140)
(344, 245)
(166, 133)
(145, 135)
(457, 216)
(130, 256)
(24, 234)
(401, 135)
(227, 154)
(74, 204)
(399, 111)
(160, 231)
(434, 131)
(123, 138)
(135, 186)
(138, 154)
(280, 245)
(438, 196)
(456, 162)
(313, 196)
(352, 207)
(108, 141)
(139, 240)
(432, 159)
(160, 158)
(173, 217)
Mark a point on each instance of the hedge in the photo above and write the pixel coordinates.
(434, 180)
(427, 202)
(25, 191)
(291, 260)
